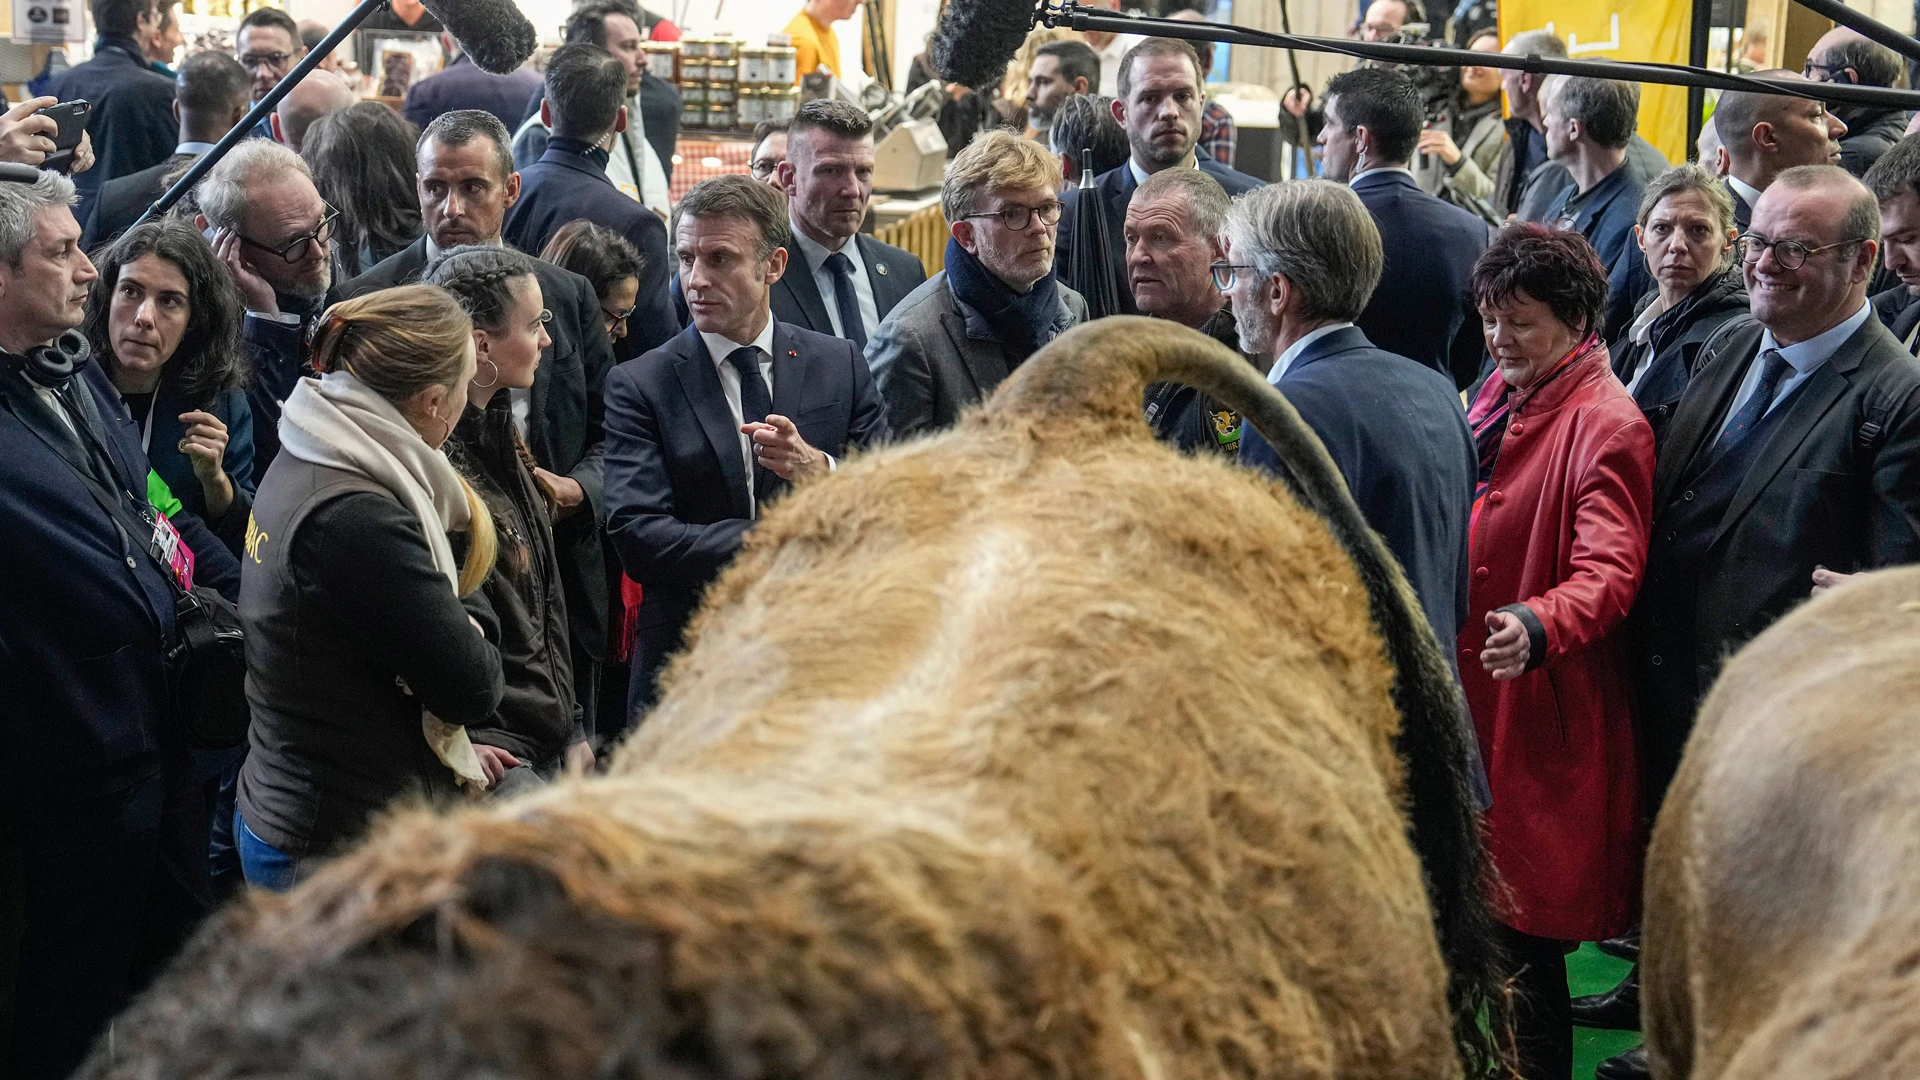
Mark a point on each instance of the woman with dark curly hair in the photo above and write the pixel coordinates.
(608, 261)
(164, 321)
(363, 165)
(1558, 542)
(537, 727)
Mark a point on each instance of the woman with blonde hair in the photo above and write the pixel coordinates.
(369, 645)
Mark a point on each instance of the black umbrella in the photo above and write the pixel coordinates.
(1089, 269)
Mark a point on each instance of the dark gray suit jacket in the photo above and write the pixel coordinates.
(934, 356)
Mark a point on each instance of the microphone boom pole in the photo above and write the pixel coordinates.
(244, 128)
(1071, 13)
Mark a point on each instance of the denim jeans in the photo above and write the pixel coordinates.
(266, 866)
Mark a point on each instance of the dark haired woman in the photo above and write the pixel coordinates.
(363, 165)
(1558, 543)
(164, 320)
(608, 261)
(537, 725)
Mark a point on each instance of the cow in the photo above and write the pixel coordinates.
(1032, 749)
(1782, 917)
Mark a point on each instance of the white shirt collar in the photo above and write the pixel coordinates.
(719, 348)
(816, 253)
(1745, 190)
(191, 147)
(434, 252)
(1294, 350)
(1805, 356)
(1357, 177)
(1642, 329)
(1140, 174)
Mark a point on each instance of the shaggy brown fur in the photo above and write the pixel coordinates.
(1029, 750)
(1782, 933)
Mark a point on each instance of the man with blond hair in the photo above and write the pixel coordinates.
(953, 339)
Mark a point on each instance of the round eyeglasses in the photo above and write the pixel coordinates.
(1790, 254)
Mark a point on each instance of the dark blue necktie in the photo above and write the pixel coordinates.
(851, 327)
(755, 405)
(1775, 368)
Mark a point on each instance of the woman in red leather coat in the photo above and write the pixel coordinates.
(1559, 540)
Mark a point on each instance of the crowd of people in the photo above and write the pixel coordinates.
(461, 429)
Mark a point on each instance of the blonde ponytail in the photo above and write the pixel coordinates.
(483, 545)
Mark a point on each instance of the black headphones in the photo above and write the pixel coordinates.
(50, 366)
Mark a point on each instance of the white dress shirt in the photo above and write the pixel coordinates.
(1641, 333)
(719, 348)
(1804, 358)
(1746, 191)
(1294, 350)
(815, 255)
(1357, 177)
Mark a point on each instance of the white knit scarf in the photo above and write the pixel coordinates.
(338, 422)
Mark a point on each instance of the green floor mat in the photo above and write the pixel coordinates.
(1590, 971)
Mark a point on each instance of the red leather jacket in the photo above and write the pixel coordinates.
(1563, 530)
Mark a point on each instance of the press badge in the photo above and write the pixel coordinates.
(172, 552)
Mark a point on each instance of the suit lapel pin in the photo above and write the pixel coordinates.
(880, 268)
(792, 352)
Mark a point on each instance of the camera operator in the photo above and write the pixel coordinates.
(1457, 150)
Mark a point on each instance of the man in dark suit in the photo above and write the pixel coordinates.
(131, 124)
(466, 183)
(100, 808)
(653, 104)
(1795, 447)
(704, 431)
(210, 96)
(464, 86)
(1587, 125)
(1423, 308)
(838, 281)
(585, 85)
(1767, 134)
(1395, 427)
(1159, 106)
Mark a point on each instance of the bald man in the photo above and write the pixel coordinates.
(1844, 56)
(1767, 134)
(320, 93)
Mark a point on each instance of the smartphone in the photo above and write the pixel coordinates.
(72, 118)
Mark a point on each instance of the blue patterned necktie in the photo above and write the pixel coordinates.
(755, 404)
(1775, 368)
(851, 327)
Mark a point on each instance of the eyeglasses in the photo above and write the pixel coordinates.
(256, 61)
(615, 318)
(1016, 218)
(1226, 273)
(763, 167)
(1790, 254)
(1825, 72)
(296, 249)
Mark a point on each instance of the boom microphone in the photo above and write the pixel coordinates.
(977, 39)
(492, 32)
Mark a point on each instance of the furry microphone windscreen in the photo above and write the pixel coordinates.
(977, 39)
(492, 32)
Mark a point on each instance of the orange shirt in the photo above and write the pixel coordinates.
(814, 44)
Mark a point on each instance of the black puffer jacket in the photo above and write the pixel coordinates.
(1674, 342)
(537, 718)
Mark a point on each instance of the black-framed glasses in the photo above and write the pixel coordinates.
(764, 167)
(1226, 273)
(1824, 72)
(1016, 218)
(615, 318)
(255, 61)
(296, 249)
(1790, 254)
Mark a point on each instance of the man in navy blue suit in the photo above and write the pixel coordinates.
(704, 431)
(1159, 106)
(840, 282)
(1423, 308)
(1588, 125)
(1305, 257)
(103, 820)
(585, 87)
(464, 86)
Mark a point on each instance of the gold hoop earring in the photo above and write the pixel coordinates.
(496, 374)
(446, 429)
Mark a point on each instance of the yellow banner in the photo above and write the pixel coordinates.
(1650, 30)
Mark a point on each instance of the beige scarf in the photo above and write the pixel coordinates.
(339, 422)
